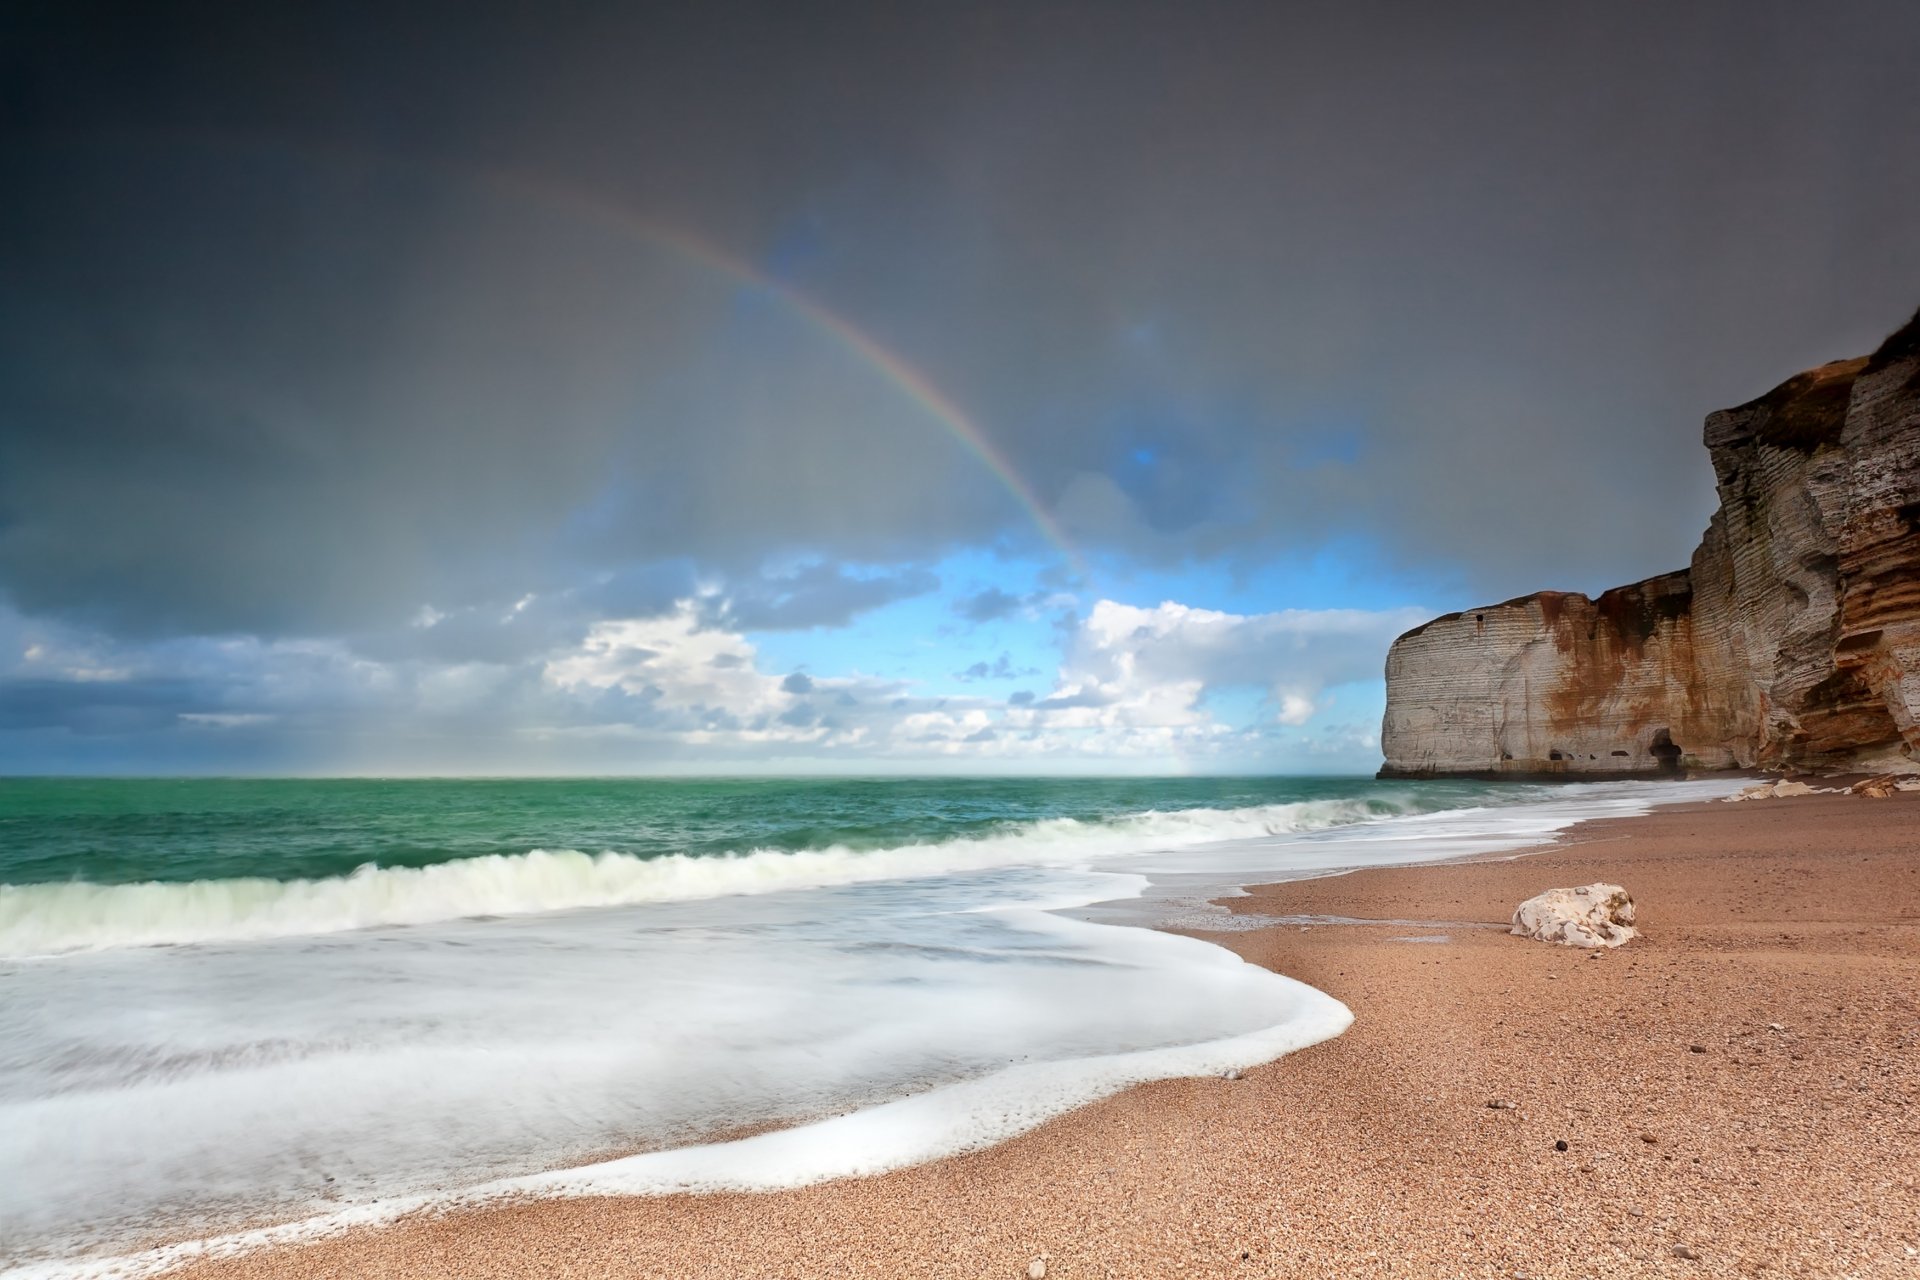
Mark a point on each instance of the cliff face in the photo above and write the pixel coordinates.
(1792, 641)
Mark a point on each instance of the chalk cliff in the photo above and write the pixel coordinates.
(1792, 641)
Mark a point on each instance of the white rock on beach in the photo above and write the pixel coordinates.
(1597, 915)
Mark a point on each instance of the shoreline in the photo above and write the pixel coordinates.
(1313, 1162)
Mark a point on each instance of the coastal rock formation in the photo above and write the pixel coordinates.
(1596, 915)
(1791, 642)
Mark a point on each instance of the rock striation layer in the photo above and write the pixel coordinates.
(1791, 642)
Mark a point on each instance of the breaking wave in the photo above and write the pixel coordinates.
(50, 919)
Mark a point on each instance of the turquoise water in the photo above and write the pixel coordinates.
(118, 831)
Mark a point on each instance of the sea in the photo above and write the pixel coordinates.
(250, 1010)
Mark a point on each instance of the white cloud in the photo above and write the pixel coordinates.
(1145, 689)
(1161, 663)
(671, 660)
(1295, 709)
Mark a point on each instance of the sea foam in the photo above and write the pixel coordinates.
(1004, 1021)
(49, 919)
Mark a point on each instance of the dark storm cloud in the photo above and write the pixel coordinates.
(635, 592)
(277, 355)
(236, 419)
(1001, 668)
(818, 595)
(534, 625)
(988, 605)
(101, 707)
(491, 634)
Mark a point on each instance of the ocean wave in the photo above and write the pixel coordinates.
(51, 919)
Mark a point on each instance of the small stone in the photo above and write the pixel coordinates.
(1682, 1251)
(1586, 1168)
(1649, 1139)
(1499, 1104)
(1232, 1073)
(1633, 1211)
(1561, 1145)
(1696, 1048)
(1037, 1269)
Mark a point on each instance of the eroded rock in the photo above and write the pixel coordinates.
(1777, 790)
(1595, 915)
(1792, 641)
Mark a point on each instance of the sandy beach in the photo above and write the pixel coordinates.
(1735, 1091)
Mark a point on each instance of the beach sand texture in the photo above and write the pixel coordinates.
(1736, 1090)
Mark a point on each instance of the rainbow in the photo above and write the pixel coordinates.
(612, 217)
(918, 388)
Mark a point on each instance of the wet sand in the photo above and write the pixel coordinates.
(1737, 1093)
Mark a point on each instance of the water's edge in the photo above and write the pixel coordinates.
(945, 1121)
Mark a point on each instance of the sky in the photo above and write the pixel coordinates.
(899, 388)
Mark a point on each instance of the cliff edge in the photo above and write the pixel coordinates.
(1791, 642)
